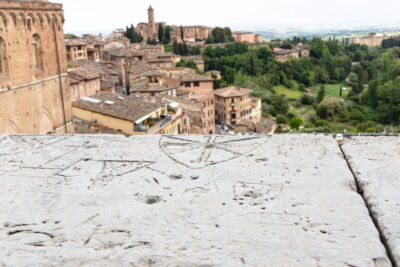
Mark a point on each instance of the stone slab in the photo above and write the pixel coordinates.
(376, 164)
(181, 201)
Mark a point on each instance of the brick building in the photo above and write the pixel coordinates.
(149, 30)
(234, 104)
(371, 40)
(299, 51)
(34, 95)
(83, 83)
(76, 50)
(190, 33)
(198, 84)
(247, 37)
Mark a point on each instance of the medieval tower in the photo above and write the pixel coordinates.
(152, 24)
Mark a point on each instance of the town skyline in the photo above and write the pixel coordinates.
(257, 16)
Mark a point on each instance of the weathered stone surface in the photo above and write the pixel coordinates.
(376, 164)
(181, 201)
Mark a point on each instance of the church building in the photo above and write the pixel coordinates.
(34, 97)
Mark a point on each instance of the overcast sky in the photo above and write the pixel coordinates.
(96, 16)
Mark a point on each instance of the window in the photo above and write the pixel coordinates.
(29, 24)
(37, 52)
(196, 84)
(3, 57)
(187, 84)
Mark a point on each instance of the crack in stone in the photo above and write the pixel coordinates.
(371, 213)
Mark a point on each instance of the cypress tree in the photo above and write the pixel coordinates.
(160, 33)
(321, 95)
(182, 34)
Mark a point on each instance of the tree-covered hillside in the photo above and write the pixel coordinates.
(337, 88)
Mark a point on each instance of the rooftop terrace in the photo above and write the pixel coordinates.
(285, 200)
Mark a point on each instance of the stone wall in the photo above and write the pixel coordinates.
(34, 95)
(255, 200)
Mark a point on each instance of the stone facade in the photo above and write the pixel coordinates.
(234, 105)
(208, 116)
(201, 91)
(371, 40)
(149, 30)
(76, 50)
(299, 51)
(198, 84)
(190, 33)
(247, 37)
(34, 96)
(83, 83)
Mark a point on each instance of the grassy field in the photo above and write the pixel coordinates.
(333, 90)
(289, 93)
(168, 48)
(305, 112)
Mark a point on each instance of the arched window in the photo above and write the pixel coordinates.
(37, 52)
(3, 57)
(29, 24)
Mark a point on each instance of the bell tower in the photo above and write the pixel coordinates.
(152, 23)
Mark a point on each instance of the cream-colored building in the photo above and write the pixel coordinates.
(76, 50)
(234, 104)
(34, 96)
(129, 115)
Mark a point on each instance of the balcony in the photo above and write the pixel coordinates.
(163, 122)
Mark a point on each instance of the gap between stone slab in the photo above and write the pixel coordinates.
(374, 220)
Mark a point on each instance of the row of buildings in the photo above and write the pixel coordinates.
(196, 34)
(110, 85)
(371, 40)
(299, 51)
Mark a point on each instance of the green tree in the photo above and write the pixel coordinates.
(295, 123)
(182, 34)
(188, 64)
(175, 48)
(372, 94)
(331, 108)
(321, 94)
(220, 35)
(132, 35)
(161, 33)
(389, 102)
(151, 42)
(281, 119)
(253, 67)
(167, 35)
(307, 100)
(279, 105)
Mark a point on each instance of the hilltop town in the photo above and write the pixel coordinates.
(157, 78)
(110, 85)
(155, 145)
